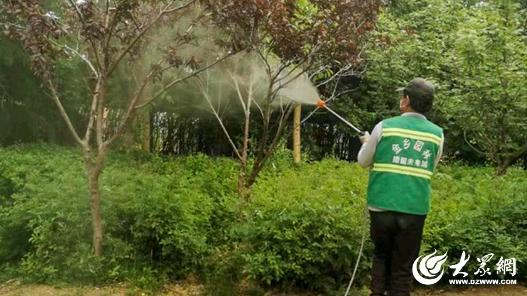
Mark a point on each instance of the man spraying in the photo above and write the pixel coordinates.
(402, 153)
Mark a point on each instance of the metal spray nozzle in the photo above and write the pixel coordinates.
(321, 104)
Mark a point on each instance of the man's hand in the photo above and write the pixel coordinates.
(365, 138)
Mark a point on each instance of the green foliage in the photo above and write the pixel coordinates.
(476, 212)
(158, 216)
(167, 218)
(490, 62)
(25, 108)
(475, 54)
(411, 41)
(48, 213)
(304, 226)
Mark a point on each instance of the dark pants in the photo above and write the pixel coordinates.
(397, 238)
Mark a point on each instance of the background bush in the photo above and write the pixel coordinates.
(168, 218)
(476, 212)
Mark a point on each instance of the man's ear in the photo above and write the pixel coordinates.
(404, 104)
(407, 100)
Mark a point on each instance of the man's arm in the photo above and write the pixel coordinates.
(369, 145)
(440, 152)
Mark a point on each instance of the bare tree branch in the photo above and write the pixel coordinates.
(181, 7)
(82, 20)
(93, 110)
(77, 10)
(239, 92)
(470, 144)
(179, 80)
(99, 96)
(320, 70)
(259, 108)
(139, 36)
(64, 114)
(334, 76)
(127, 116)
(222, 125)
(83, 58)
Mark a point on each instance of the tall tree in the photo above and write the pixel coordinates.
(490, 62)
(475, 52)
(108, 36)
(288, 39)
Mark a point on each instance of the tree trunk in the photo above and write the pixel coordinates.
(244, 186)
(501, 170)
(502, 165)
(94, 170)
(95, 208)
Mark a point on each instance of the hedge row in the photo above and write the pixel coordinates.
(167, 218)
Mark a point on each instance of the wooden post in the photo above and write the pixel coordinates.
(296, 133)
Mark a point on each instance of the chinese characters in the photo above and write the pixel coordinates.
(417, 162)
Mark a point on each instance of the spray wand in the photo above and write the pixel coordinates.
(322, 105)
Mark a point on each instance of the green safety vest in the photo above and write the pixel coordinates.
(403, 165)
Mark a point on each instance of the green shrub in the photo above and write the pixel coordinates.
(304, 226)
(166, 218)
(44, 224)
(302, 229)
(476, 212)
(158, 215)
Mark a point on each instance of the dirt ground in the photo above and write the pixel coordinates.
(515, 290)
(16, 289)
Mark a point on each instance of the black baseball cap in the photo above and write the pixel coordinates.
(421, 93)
(418, 87)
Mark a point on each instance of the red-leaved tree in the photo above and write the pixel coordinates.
(288, 39)
(107, 36)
